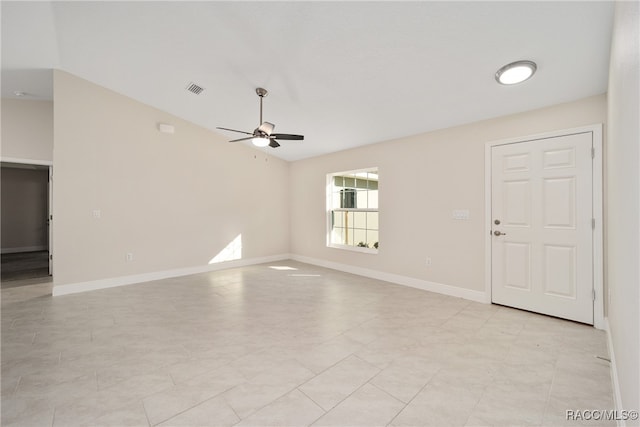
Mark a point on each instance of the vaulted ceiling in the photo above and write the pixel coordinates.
(344, 74)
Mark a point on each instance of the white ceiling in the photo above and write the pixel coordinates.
(344, 74)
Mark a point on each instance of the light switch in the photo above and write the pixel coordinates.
(97, 214)
(462, 214)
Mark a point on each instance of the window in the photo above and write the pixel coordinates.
(352, 205)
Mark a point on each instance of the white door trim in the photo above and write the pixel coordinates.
(50, 218)
(598, 259)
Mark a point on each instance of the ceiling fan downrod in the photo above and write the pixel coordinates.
(261, 93)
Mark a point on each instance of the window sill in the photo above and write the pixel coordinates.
(372, 251)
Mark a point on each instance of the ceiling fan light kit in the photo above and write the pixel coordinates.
(260, 142)
(263, 135)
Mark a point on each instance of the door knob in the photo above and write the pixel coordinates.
(499, 233)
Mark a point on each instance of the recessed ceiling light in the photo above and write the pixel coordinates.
(516, 72)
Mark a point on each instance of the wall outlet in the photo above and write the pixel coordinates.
(129, 257)
(428, 260)
(96, 213)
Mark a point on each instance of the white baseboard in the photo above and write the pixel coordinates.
(93, 285)
(617, 398)
(425, 285)
(23, 249)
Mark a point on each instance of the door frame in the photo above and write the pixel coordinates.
(49, 165)
(597, 197)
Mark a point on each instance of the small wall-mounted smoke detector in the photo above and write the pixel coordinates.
(195, 88)
(166, 128)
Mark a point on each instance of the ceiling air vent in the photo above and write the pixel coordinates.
(194, 88)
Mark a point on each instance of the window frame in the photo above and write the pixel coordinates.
(330, 210)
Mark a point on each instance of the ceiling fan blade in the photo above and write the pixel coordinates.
(273, 143)
(242, 139)
(233, 130)
(287, 136)
(266, 127)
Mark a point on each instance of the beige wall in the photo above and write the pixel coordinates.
(24, 209)
(422, 180)
(623, 189)
(27, 129)
(173, 201)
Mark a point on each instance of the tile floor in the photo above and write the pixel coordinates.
(259, 346)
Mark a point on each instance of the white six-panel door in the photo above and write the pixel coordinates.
(542, 237)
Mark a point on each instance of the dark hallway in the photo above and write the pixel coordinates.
(23, 268)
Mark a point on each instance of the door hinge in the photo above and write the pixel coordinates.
(593, 153)
(593, 223)
(593, 294)
(51, 256)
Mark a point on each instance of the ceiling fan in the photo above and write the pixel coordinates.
(262, 135)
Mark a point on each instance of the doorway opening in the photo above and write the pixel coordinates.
(25, 254)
